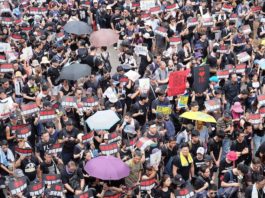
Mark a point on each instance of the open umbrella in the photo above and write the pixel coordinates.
(107, 168)
(77, 27)
(75, 71)
(102, 120)
(104, 37)
(199, 116)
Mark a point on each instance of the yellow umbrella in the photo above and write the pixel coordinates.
(199, 116)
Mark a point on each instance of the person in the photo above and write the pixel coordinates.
(165, 191)
(254, 170)
(212, 191)
(233, 180)
(136, 167)
(199, 160)
(256, 190)
(183, 163)
(215, 147)
(194, 143)
(49, 165)
(202, 182)
(72, 179)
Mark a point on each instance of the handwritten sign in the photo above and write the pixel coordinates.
(147, 4)
(155, 158)
(144, 85)
(166, 110)
(183, 101)
(141, 50)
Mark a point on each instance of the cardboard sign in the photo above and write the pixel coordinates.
(36, 189)
(172, 7)
(161, 31)
(192, 22)
(29, 109)
(183, 101)
(130, 144)
(47, 115)
(147, 4)
(243, 57)
(6, 106)
(175, 41)
(23, 151)
(56, 190)
(230, 68)
(27, 53)
(51, 179)
(207, 22)
(114, 137)
(165, 110)
(254, 119)
(109, 149)
(23, 132)
(256, 9)
(7, 67)
(233, 17)
(187, 192)
(177, 82)
(227, 8)
(201, 78)
(89, 101)
(155, 10)
(155, 158)
(17, 186)
(222, 74)
(143, 143)
(69, 102)
(212, 105)
(87, 138)
(144, 85)
(7, 20)
(2, 59)
(241, 68)
(132, 75)
(56, 148)
(37, 10)
(141, 50)
(261, 100)
(147, 184)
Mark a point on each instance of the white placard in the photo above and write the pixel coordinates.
(155, 158)
(144, 85)
(147, 4)
(141, 50)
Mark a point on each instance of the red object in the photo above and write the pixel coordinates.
(177, 82)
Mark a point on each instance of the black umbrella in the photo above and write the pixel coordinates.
(77, 27)
(74, 71)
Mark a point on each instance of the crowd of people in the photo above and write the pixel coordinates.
(46, 141)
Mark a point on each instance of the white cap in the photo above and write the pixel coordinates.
(201, 150)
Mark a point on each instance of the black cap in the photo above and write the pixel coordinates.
(13, 116)
(207, 158)
(178, 180)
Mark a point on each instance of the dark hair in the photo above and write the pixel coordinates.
(243, 168)
(259, 178)
(143, 97)
(256, 160)
(45, 88)
(164, 178)
(185, 144)
(203, 168)
(247, 124)
(4, 142)
(128, 114)
(212, 187)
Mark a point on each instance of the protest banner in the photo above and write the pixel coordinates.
(201, 78)
(243, 57)
(155, 10)
(212, 105)
(17, 186)
(36, 189)
(145, 16)
(5, 47)
(262, 111)
(207, 22)
(144, 85)
(147, 184)
(23, 132)
(6, 106)
(114, 137)
(172, 7)
(69, 102)
(55, 148)
(143, 143)
(175, 41)
(222, 74)
(223, 49)
(56, 190)
(192, 22)
(183, 101)
(141, 50)
(6, 67)
(88, 137)
(230, 68)
(227, 8)
(50, 179)
(161, 31)
(165, 110)
(29, 109)
(109, 149)
(177, 82)
(240, 68)
(155, 158)
(47, 115)
(23, 151)
(254, 119)
(147, 4)
(256, 9)
(233, 17)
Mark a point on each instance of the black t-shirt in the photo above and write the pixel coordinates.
(167, 153)
(239, 147)
(29, 91)
(248, 193)
(68, 146)
(42, 147)
(258, 132)
(184, 171)
(197, 165)
(214, 147)
(199, 182)
(53, 73)
(48, 168)
(137, 107)
(66, 177)
(230, 177)
(29, 167)
(194, 147)
(225, 166)
(212, 61)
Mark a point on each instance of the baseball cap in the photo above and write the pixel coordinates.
(200, 150)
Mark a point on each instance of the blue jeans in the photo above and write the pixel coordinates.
(226, 146)
(258, 140)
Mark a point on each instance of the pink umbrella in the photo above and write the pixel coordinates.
(107, 168)
(104, 37)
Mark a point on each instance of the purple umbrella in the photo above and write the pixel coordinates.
(107, 168)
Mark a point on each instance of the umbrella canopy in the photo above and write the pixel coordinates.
(104, 37)
(77, 27)
(107, 168)
(75, 71)
(102, 120)
(199, 116)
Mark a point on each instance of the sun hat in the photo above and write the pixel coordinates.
(237, 108)
(232, 156)
(35, 63)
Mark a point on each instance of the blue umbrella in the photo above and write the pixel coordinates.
(102, 120)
